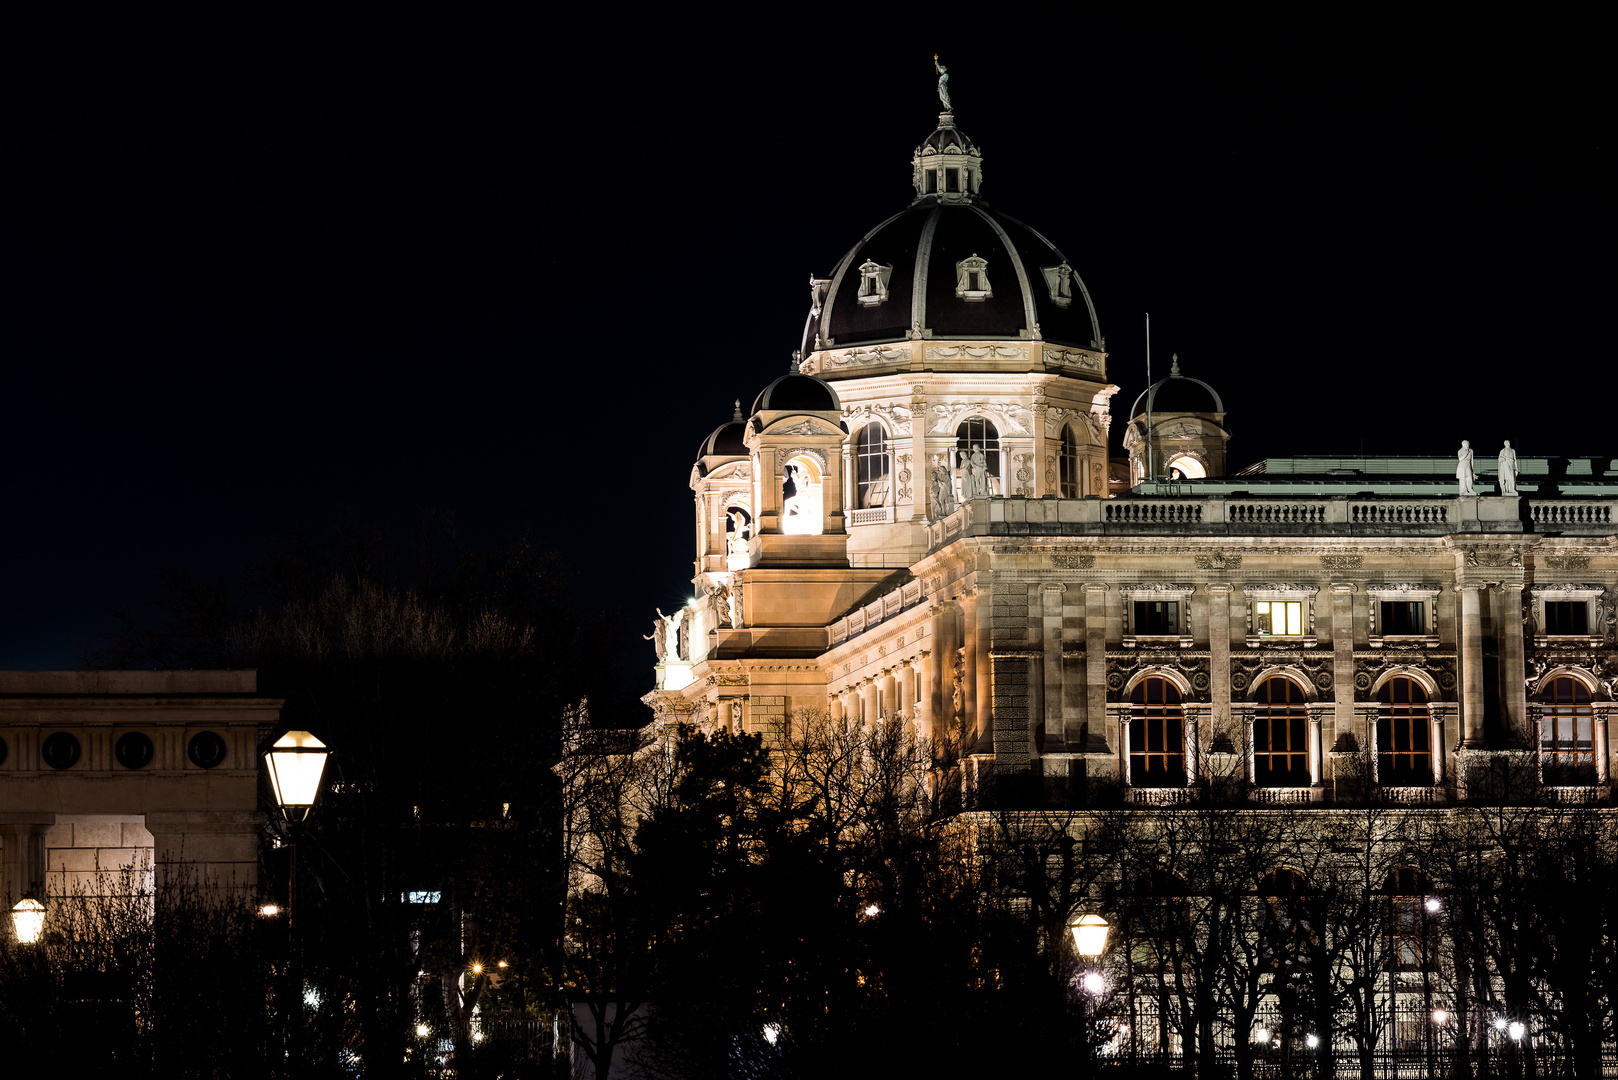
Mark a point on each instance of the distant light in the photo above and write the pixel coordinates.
(269, 911)
(502, 964)
(477, 1036)
(422, 897)
(505, 809)
(1433, 903)
(1516, 1030)
(1440, 1016)
(422, 1031)
(1262, 1035)
(871, 910)
(1499, 1023)
(311, 997)
(477, 969)
(772, 1032)
(1311, 1040)
(1094, 983)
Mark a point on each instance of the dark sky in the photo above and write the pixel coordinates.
(278, 276)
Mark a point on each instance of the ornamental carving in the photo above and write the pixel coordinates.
(1508, 557)
(1024, 474)
(1567, 562)
(1073, 562)
(942, 418)
(1219, 561)
(1121, 669)
(1290, 588)
(904, 476)
(1068, 358)
(736, 470)
(1317, 668)
(1341, 562)
(1596, 664)
(1050, 473)
(1127, 591)
(1401, 588)
(808, 452)
(897, 417)
(977, 352)
(865, 357)
(1368, 669)
(806, 427)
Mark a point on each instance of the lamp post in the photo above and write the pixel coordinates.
(295, 763)
(28, 918)
(1090, 938)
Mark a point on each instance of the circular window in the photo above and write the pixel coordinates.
(133, 750)
(206, 750)
(60, 750)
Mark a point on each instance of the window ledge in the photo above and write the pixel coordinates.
(1285, 795)
(1553, 640)
(1156, 641)
(1307, 640)
(1424, 795)
(1426, 641)
(1581, 794)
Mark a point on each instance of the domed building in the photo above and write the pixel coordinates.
(916, 522)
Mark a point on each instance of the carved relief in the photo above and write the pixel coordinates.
(1567, 562)
(808, 452)
(1317, 667)
(1067, 358)
(904, 476)
(1342, 562)
(805, 427)
(977, 352)
(736, 470)
(1599, 665)
(1024, 474)
(1014, 419)
(1073, 562)
(1121, 668)
(865, 357)
(1219, 561)
(1508, 557)
(1369, 668)
(896, 416)
(1050, 473)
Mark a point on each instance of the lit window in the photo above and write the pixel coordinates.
(1068, 460)
(978, 437)
(1278, 617)
(1156, 734)
(1566, 721)
(972, 279)
(1404, 753)
(873, 462)
(1280, 734)
(873, 283)
(1157, 617)
(1567, 617)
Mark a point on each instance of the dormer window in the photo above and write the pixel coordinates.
(952, 180)
(1059, 280)
(873, 283)
(972, 279)
(932, 181)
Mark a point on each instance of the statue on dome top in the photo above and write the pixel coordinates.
(943, 84)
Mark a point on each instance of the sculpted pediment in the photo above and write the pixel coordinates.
(736, 470)
(803, 425)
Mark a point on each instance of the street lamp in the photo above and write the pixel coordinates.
(28, 917)
(295, 762)
(1090, 935)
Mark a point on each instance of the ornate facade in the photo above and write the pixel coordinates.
(922, 520)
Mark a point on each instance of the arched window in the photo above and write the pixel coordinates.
(871, 453)
(1566, 721)
(1068, 463)
(1280, 735)
(1404, 749)
(978, 438)
(1411, 927)
(1156, 734)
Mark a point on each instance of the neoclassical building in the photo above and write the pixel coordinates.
(922, 520)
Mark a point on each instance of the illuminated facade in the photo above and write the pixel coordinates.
(918, 522)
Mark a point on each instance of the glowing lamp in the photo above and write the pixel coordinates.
(1516, 1030)
(296, 761)
(1093, 983)
(1440, 1017)
(1262, 1035)
(1312, 1040)
(1090, 935)
(1433, 904)
(28, 916)
(1499, 1023)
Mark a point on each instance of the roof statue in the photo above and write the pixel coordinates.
(943, 84)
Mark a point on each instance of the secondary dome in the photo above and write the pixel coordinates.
(1179, 393)
(797, 392)
(950, 267)
(726, 439)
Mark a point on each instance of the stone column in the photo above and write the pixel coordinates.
(1598, 735)
(1095, 670)
(1514, 694)
(870, 701)
(946, 640)
(767, 516)
(1219, 659)
(1471, 651)
(1315, 749)
(927, 677)
(906, 690)
(727, 716)
(1051, 623)
(969, 672)
(1342, 654)
(22, 864)
(1435, 718)
(832, 494)
(887, 695)
(921, 474)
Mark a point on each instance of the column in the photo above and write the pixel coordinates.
(870, 704)
(906, 689)
(887, 695)
(1435, 718)
(1514, 694)
(767, 515)
(835, 493)
(979, 660)
(1314, 748)
(1471, 666)
(946, 640)
(1056, 733)
(927, 678)
(1095, 670)
(969, 673)
(921, 474)
(1598, 735)
(1219, 657)
(22, 866)
(1342, 650)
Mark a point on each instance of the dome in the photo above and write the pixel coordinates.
(803, 393)
(1179, 393)
(949, 267)
(727, 438)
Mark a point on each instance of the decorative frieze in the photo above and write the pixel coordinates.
(1219, 561)
(851, 358)
(1123, 667)
(1342, 562)
(1068, 358)
(1370, 667)
(977, 352)
(1567, 562)
(897, 417)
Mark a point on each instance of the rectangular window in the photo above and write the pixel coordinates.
(1404, 617)
(1157, 617)
(1278, 617)
(932, 181)
(1567, 617)
(952, 179)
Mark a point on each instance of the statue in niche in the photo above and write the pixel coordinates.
(977, 473)
(657, 638)
(789, 491)
(1508, 470)
(1464, 471)
(943, 84)
(723, 606)
(670, 625)
(943, 492)
(740, 532)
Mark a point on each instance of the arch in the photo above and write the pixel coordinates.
(802, 494)
(977, 436)
(1428, 684)
(1404, 743)
(873, 458)
(1071, 476)
(1157, 732)
(1566, 731)
(1192, 465)
(1591, 683)
(1282, 671)
(1180, 682)
(1281, 734)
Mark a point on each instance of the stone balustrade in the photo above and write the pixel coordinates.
(884, 607)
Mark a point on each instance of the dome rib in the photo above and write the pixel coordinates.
(918, 285)
(1016, 263)
(840, 273)
(1095, 323)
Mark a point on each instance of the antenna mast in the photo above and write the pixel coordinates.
(1151, 463)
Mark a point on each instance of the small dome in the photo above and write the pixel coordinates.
(797, 392)
(727, 439)
(1179, 393)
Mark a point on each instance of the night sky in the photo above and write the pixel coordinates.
(277, 277)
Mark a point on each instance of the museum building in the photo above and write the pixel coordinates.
(922, 520)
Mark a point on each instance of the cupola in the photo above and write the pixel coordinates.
(1186, 419)
(947, 167)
